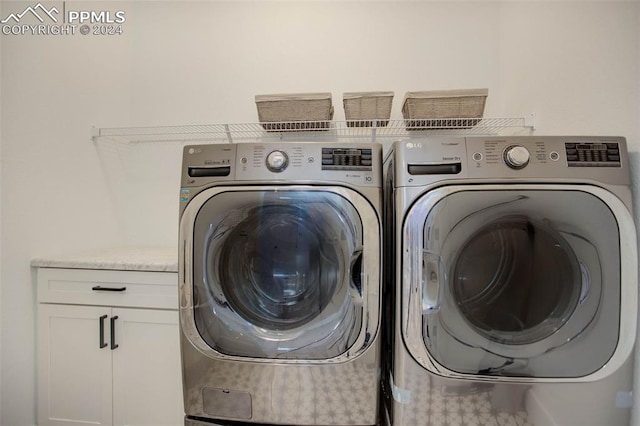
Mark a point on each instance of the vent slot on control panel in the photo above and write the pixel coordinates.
(347, 159)
(590, 154)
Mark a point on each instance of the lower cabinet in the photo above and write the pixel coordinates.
(106, 365)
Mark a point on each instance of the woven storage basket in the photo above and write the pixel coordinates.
(295, 111)
(444, 109)
(361, 108)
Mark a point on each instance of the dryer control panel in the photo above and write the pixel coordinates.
(596, 158)
(549, 157)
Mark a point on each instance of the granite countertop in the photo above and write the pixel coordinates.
(161, 259)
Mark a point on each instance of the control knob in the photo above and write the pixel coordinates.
(516, 156)
(277, 161)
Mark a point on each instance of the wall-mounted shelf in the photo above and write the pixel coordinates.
(316, 130)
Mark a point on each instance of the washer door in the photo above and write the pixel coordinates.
(518, 282)
(278, 273)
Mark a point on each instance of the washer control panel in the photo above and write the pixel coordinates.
(353, 163)
(358, 164)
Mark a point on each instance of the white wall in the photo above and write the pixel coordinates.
(575, 64)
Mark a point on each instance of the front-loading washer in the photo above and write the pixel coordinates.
(279, 272)
(513, 282)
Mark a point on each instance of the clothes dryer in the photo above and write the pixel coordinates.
(515, 283)
(280, 257)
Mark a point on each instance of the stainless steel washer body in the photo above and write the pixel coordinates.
(280, 258)
(512, 283)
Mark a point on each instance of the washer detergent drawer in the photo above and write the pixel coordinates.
(112, 288)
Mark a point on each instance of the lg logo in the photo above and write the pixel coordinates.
(412, 145)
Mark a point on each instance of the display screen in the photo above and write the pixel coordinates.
(346, 159)
(593, 154)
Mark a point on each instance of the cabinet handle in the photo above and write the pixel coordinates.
(113, 332)
(100, 288)
(103, 344)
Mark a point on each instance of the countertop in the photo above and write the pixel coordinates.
(160, 259)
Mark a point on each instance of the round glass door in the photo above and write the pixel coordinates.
(275, 271)
(516, 280)
(511, 281)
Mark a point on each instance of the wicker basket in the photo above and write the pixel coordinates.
(362, 108)
(295, 111)
(444, 109)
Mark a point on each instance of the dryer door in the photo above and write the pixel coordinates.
(520, 282)
(280, 272)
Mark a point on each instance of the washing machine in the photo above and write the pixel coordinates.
(279, 275)
(513, 283)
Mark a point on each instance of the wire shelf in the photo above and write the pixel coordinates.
(373, 130)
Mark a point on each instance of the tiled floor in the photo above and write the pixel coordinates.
(435, 409)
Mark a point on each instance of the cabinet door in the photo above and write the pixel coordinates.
(74, 372)
(146, 368)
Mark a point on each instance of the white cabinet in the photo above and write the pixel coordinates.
(146, 368)
(108, 348)
(74, 374)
